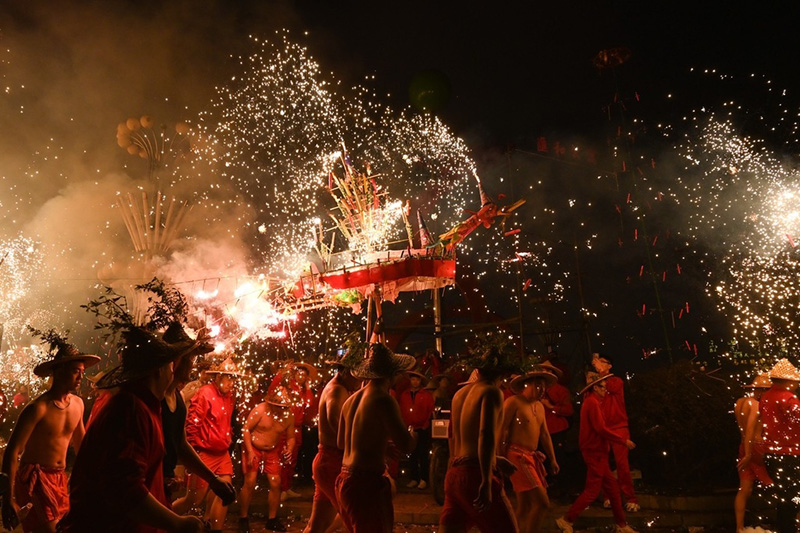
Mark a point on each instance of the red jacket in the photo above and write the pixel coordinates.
(208, 422)
(780, 414)
(613, 404)
(595, 435)
(557, 417)
(306, 408)
(417, 411)
(118, 464)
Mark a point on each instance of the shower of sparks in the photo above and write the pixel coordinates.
(742, 197)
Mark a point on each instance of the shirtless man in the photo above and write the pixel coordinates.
(370, 417)
(267, 425)
(328, 462)
(524, 428)
(45, 429)
(751, 449)
(474, 495)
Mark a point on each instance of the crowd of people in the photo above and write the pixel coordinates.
(161, 412)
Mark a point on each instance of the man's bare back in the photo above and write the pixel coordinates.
(370, 417)
(267, 424)
(471, 404)
(331, 401)
(525, 422)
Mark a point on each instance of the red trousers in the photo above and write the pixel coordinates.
(46, 489)
(287, 469)
(624, 478)
(598, 477)
(365, 501)
(326, 468)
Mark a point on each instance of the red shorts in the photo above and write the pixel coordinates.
(461, 486)
(219, 463)
(530, 472)
(325, 469)
(46, 489)
(262, 461)
(365, 501)
(755, 471)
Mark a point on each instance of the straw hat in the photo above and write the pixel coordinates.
(310, 369)
(518, 383)
(175, 334)
(473, 377)
(418, 374)
(592, 379)
(550, 367)
(382, 363)
(142, 353)
(279, 397)
(433, 384)
(228, 367)
(66, 353)
(761, 381)
(783, 369)
(348, 359)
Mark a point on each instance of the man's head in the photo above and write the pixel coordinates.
(601, 363)
(161, 379)
(444, 383)
(68, 375)
(532, 385)
(182, 368)
(225, 383)
(300, 375)
(23, 389)
(595, 383)
(533, 389)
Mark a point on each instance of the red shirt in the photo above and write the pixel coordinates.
(417, 408)
(613, 405)
(208, 422)
(557, 417)
(307, 404)
(595, 435)
(118, 464)
(780, 414)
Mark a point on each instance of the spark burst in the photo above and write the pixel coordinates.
(743, 208)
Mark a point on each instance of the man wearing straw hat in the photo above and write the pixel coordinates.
(524, 428)
(208, 430)
(751, 449)
(370, 417)
(615, 415)
(269, 424)
(780, 415)
(117, 482)
(296, 377)
(45, 429)
(173, 418)
(595, 441)
(328, 461)
(416, 406)
(474, 494)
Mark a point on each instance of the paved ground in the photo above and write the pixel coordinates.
(417, 512)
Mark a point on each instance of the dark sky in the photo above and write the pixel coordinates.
(519, 68)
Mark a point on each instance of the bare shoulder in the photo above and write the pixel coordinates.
(491, 394)
(510, 403)
(74, 398)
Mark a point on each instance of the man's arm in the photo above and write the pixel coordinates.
(252, 421)
(290, 436)
(397, 430)
(335, 402)
(544, 438)
(595, 417)
(491, 404)
(509, 413)
(196, 415)
(28, 418)
(80, 430)
(340, 432)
